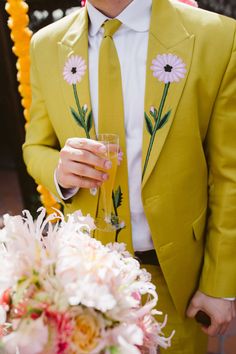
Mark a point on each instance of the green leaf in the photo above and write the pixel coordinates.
(34, 310)
(89, 121)
(148, 124)
(113, 350)
(77, 117)
(164, 120)
(117, 200)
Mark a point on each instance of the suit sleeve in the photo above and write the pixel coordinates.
(41, 147)
(218, 276)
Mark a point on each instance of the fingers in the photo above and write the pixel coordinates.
(88, 153)
(81, 182)
(223, 329)
(216, 328)
(192, 310)
(82, 164)
(220, 311)
(83, 170)
(72, 174)
(212, 330)
(93, 146)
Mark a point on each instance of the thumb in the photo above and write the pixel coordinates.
(192, 310)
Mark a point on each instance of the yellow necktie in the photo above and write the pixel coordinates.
(111, 120)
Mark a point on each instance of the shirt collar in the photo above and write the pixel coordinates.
(135, 16)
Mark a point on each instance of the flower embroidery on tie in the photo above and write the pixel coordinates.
(167, 68)
(73, 72)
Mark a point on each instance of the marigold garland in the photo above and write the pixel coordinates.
(20, 34)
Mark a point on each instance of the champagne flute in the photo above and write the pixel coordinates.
(104, 223)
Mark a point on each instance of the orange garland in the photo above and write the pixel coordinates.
(20, 34)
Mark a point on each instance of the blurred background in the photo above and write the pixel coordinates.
(17, 189)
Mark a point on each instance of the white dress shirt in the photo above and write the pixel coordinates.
(131, 41)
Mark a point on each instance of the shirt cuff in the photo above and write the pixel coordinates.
(65, 193)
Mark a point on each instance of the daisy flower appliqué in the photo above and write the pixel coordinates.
(74, 69)
(168, 68)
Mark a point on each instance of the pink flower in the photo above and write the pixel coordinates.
(190, 2)
(168, 68)
(61, 328)
(30, 337)
(74, 69)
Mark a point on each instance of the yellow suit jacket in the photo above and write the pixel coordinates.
(189, 189)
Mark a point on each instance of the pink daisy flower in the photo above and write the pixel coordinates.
(74, 69)
(168, 68)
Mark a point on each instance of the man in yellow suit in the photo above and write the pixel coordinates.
(170, 94)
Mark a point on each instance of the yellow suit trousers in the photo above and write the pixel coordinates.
(188, 337)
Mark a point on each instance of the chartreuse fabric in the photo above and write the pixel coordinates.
(111, 120)
(189, 184)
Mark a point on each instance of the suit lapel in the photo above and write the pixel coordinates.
(167, 36)
(75, 42)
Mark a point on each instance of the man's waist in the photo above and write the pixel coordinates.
(147, 257)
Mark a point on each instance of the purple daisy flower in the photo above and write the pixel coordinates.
(74, 69)
(168, 68)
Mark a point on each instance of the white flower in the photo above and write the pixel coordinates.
(30, 338)
(74, 69)
(168, 68)
(119, 247)
(3, 315)
(128, 337)
(91, 295)
(2, 235)
(23, 249)
(83, 222)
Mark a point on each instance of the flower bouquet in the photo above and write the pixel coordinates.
(61, 291)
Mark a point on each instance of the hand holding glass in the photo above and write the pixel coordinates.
(111, 141)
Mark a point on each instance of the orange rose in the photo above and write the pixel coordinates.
(87, 332)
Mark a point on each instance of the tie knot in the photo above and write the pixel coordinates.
(110, 27)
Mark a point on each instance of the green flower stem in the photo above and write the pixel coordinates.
(117, 234)
(80, 110)
(148, 152)
(114, 204)
(116, 214)
(165, 92)
(77, 101)
(160, 110)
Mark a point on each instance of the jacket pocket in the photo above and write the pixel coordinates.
(199, 225)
